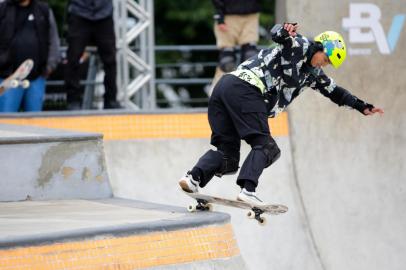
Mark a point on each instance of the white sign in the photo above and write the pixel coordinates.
(364, 27)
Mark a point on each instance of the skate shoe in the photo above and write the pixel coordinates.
(188, 184)
(250, 197)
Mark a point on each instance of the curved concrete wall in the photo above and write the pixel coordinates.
(149, 170)
(350, 169)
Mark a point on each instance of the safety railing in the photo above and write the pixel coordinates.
(183, 77)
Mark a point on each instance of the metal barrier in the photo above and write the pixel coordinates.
(181, 81)
(188, 77)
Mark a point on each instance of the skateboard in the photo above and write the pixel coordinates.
(17, 78)
(205, 203)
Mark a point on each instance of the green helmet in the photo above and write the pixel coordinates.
(334, 47)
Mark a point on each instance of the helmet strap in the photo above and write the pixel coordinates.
(313, 48)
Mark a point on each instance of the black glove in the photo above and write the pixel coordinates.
(360, 106)
(278, 33)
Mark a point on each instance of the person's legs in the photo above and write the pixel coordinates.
(78, 38)
(249, 35)
(10, 100)
(34, 95)
(264, 152)
(226, 42)
(248, 50)
(246, 107)
(227, 39)
(105, 40)
(225, 159)
(249, 29)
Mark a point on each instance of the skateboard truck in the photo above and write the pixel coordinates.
(255, 213)
(202, 205)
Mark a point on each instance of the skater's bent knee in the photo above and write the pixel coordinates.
(271, 151)
(229, 165)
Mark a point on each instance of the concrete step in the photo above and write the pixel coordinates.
(114, 234)
(49, 164)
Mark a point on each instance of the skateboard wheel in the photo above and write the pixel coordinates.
(209, 207)
(191, 208)
(251, 214)
(262, 221)
(25, 83)
(14, 84)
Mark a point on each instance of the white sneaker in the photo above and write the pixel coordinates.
(250, 197)
(188, 184)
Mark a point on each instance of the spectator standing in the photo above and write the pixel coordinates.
(28, 30)
(90, 22)
(236, 24)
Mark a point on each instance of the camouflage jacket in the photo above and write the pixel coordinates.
(285, 72)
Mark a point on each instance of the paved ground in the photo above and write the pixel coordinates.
(42, 221)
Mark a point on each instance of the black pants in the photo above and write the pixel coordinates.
(236, 112)
(83, 32)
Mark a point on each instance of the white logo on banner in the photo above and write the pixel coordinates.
(364, 27)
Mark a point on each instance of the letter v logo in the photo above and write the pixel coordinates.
(395, 30)
(365, 16)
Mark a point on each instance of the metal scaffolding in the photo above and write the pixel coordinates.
(134, 23)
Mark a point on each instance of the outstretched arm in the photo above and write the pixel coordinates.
(342, 97)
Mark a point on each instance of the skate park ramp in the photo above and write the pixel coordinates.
(340, 174)
(350, 169)
(146, 154)
(57, 211)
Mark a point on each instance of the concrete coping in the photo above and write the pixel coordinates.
(101, 112)
(171, 218)
(18, 134)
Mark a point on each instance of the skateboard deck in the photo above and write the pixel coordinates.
(17, 78)
(204, 203)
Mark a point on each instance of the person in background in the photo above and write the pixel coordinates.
(90, 22)
(236, 25)
(28, 30)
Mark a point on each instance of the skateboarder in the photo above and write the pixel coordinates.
(262, 87)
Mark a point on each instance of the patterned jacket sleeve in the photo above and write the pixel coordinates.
(281, 35)
(342, 97)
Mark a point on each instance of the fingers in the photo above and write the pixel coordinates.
(377, 110)
(291, 28)
(373, 111)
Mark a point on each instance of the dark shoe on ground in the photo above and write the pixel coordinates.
(112, 105)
